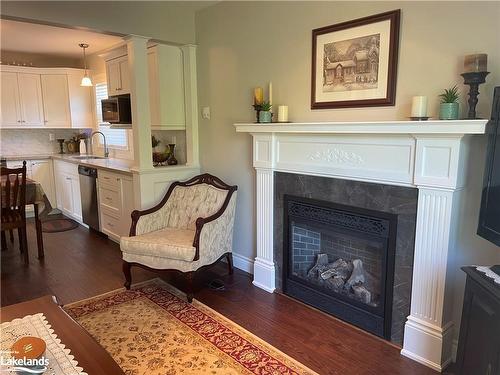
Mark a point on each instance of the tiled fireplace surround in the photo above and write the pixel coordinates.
(429, 158)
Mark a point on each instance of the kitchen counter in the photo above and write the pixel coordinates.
(117, 165)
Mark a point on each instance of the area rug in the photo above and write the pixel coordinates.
(58, 225)
(152, 330)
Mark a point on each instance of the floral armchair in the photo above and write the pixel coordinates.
(192, 227)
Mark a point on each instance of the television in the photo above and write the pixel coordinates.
(489, 215)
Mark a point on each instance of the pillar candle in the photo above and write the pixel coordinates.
(270, 93)
(258, 95)
(419, 106)
(476, 63)
(283, 113)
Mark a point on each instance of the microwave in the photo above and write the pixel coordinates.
(116, 109)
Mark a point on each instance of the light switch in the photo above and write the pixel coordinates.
(205, 113)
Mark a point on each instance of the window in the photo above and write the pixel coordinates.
(116, 138)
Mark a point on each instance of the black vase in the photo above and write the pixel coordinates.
(171, 159)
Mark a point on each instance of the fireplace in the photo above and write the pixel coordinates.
(340, 259)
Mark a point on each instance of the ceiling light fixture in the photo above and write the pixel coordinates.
(86, 81)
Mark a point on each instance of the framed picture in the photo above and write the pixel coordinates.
(354, 63)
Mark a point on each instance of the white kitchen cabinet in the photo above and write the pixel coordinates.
(56, 107)
(10, 107)
(115, 203)
(45, 97)
(68, 189)
(117, 75)
(41, 171)
(30, 97)
(81, 101)
(166, 88)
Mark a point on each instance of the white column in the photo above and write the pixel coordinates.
(264, 271)
(191, 103)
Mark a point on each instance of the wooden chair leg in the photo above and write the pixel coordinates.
(190, 287)
(39, 237)
(128, 275)
(20, 236)
(11, 235)
(25, 246)
(4, 241)
(229, 257)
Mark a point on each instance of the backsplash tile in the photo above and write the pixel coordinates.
(31, 141)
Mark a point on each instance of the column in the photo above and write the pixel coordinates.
(264, 271)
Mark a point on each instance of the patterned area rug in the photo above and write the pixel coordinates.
(58, 225)
(151, 330)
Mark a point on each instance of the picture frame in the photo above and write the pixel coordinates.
(354, 63)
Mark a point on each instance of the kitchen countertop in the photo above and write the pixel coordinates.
(112, 164)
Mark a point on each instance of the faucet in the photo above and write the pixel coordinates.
(106, 151)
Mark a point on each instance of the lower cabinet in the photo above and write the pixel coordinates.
(116, 194)
(68, 189)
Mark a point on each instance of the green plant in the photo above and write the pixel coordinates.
(266, 106)
(154, 142)
(450, 95)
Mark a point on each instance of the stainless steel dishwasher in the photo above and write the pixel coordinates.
(88, 193)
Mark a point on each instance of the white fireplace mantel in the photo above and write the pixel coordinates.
(431, 156)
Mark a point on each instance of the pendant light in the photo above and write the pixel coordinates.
(86, 81)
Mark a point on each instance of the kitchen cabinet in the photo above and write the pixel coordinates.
(166, 88)
(117, 74)
(10, 106)
(41, 171)
(56, 107)
(115, 203)
(68, 189)
(45, 97)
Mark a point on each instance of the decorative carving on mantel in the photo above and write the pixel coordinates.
(335, 155)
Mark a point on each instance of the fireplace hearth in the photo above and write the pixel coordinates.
(340, 259)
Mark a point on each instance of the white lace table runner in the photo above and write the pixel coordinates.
(61, 362)
(489, 273)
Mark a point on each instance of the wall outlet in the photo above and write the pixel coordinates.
(52, 137)
(205, 113)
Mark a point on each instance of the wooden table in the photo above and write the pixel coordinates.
(36, 196)
(90, 355)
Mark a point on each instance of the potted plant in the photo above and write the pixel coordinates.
(265, 114)
(448, 110)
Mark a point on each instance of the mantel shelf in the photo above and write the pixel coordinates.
(450, 127)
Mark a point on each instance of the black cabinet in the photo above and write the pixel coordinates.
(479, 342)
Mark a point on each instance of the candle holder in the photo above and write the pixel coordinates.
(473, 79)
(61, 145)
(257, 108)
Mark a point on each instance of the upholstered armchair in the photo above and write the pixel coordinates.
(191, 228)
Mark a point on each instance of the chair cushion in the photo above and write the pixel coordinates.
(170, 243)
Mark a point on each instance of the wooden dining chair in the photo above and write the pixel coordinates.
(13, 205)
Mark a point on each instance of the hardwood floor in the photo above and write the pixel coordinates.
(80, 264)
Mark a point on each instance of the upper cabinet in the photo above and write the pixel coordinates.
(118, 76)
(166, 88)
(45, 97)
(55, 100)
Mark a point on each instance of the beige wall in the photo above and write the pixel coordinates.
(247, 44)
(39, 60)
(167, 20)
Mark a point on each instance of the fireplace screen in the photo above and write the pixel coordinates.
(341, 260)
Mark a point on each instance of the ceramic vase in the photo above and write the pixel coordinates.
(448, 111)
(265, 116)
(171, 157)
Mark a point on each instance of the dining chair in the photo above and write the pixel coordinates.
(13, 205)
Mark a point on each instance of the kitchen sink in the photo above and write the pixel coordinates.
(88, 157)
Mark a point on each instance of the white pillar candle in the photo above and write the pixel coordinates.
(419, 106)
(270, 93)
(283, 113)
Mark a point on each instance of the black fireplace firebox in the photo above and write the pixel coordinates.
(340, 259)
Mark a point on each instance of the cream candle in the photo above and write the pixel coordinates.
(270, 93)
(283, 113)
(419, 106)
(476, 63)
(258, 95)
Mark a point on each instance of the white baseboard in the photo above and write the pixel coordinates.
(243, 263)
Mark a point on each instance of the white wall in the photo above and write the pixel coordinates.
(247, 44)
